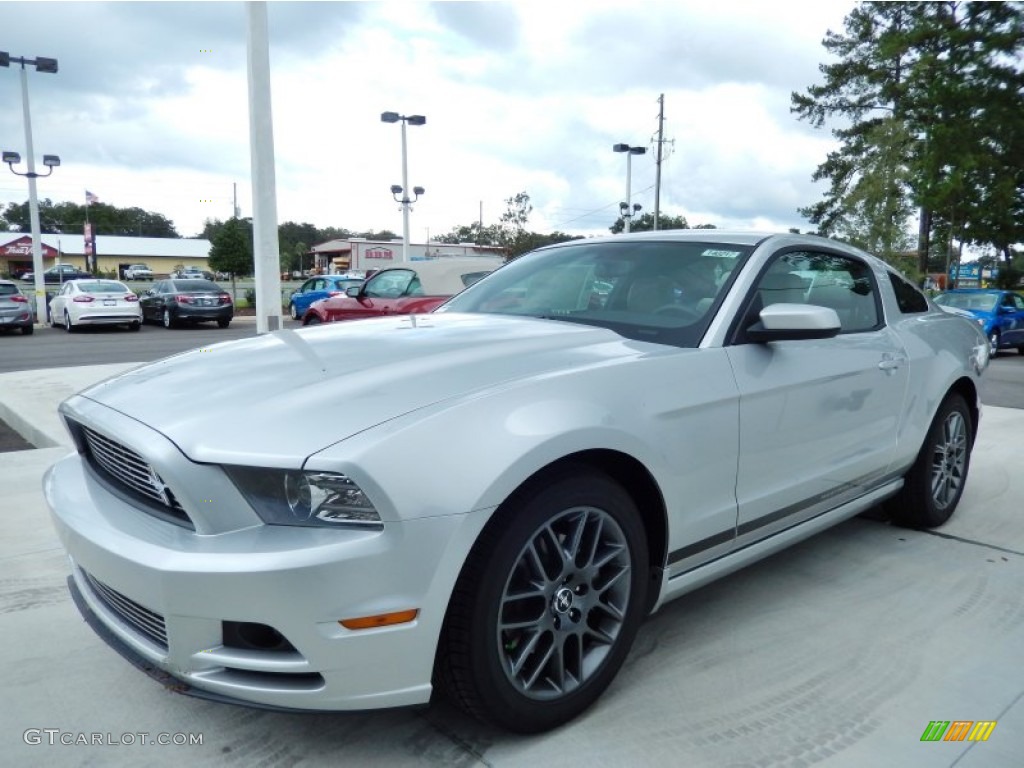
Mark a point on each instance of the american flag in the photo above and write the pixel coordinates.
(90, 198)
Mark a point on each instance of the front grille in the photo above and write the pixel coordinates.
(129, 470)
(144, 621)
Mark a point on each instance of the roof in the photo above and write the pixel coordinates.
(113, 245)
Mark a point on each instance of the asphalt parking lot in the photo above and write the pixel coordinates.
(837, 652)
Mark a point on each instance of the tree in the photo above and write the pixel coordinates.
(232, 249)
(645, 223)
(930, 96)
(69, 218)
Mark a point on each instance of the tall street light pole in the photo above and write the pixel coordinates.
(394, 117)
(41, 64)
(627, 207)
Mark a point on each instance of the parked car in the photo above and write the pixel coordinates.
(58, 273)
(316, 288)
(192, 273)
(138, 272)
(503, 489)
(95, 302)
(178, 302)
(999, 313)
(413, 288)
(15, 311)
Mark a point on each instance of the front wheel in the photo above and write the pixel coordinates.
(548, 603)
(293, 311)
(993, 343)
(311, 319)
(933, 486)
(168, 319)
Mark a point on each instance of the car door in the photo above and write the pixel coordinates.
(58, 303)
(818, 417)
(150, 300)
(1010, 314)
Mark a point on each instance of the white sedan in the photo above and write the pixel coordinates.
(490, 498)
(95, 302)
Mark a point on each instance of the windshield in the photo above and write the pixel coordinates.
(654, 291)
(985, 301)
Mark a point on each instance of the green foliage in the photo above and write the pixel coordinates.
(645, 223)
(232, 248)
(930, 98)
(69, 218)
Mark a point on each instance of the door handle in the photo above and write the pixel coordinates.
(890, 363)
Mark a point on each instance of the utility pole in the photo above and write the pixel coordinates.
(234, 207)
(657, 173)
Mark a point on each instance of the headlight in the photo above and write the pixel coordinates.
(283, 497)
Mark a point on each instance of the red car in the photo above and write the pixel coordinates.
(413, 288)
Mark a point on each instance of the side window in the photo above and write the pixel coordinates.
(908, 298)
(390, 284)
(307, 286)
(842, 283)
(1018, 301)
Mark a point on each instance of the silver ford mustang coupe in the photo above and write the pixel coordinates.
(491, 498)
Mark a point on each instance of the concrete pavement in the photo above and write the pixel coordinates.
(836, 652)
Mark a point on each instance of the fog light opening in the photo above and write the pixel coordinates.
(252, 636)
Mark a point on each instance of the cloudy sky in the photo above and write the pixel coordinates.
(150, 108)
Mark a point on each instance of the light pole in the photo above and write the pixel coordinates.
(394, 117)
(51, 161)
(627, 214)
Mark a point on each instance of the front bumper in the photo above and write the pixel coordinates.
(170, 596)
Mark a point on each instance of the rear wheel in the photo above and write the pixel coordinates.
(223, 322)
(933, 486)
(27, 329)
(134, 326)
(547, 604)
(68, 325)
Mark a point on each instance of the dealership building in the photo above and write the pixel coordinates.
(113, 254)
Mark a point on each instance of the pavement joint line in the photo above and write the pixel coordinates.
(975, 543)
(998, 717)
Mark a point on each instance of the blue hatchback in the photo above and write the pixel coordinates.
(1000, 313)
(316, 288)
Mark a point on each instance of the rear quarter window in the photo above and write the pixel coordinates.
(908, 298)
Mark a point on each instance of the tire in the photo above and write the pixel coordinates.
(933, 486)
(1020, 350)
(27, 330)
(68, 325)
(134, 326)
(993, 343)
(167, 319)
(534, 634)
(223, 323)
(313, 319)
(293, 311)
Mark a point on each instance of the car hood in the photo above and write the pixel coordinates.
(276, 399)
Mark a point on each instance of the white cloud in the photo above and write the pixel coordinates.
(150, 108)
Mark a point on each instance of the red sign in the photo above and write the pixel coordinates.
(23, 247)
(379, 253)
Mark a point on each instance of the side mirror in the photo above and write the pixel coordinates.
(792, 322)
(353, 292)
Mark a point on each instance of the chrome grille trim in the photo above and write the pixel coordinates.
(124, 466)
(147, 623)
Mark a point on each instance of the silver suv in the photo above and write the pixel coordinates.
(15, 310)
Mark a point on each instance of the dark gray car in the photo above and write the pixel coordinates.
(15, 310)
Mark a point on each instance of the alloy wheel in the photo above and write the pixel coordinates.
(564, 603)
(949, 460)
